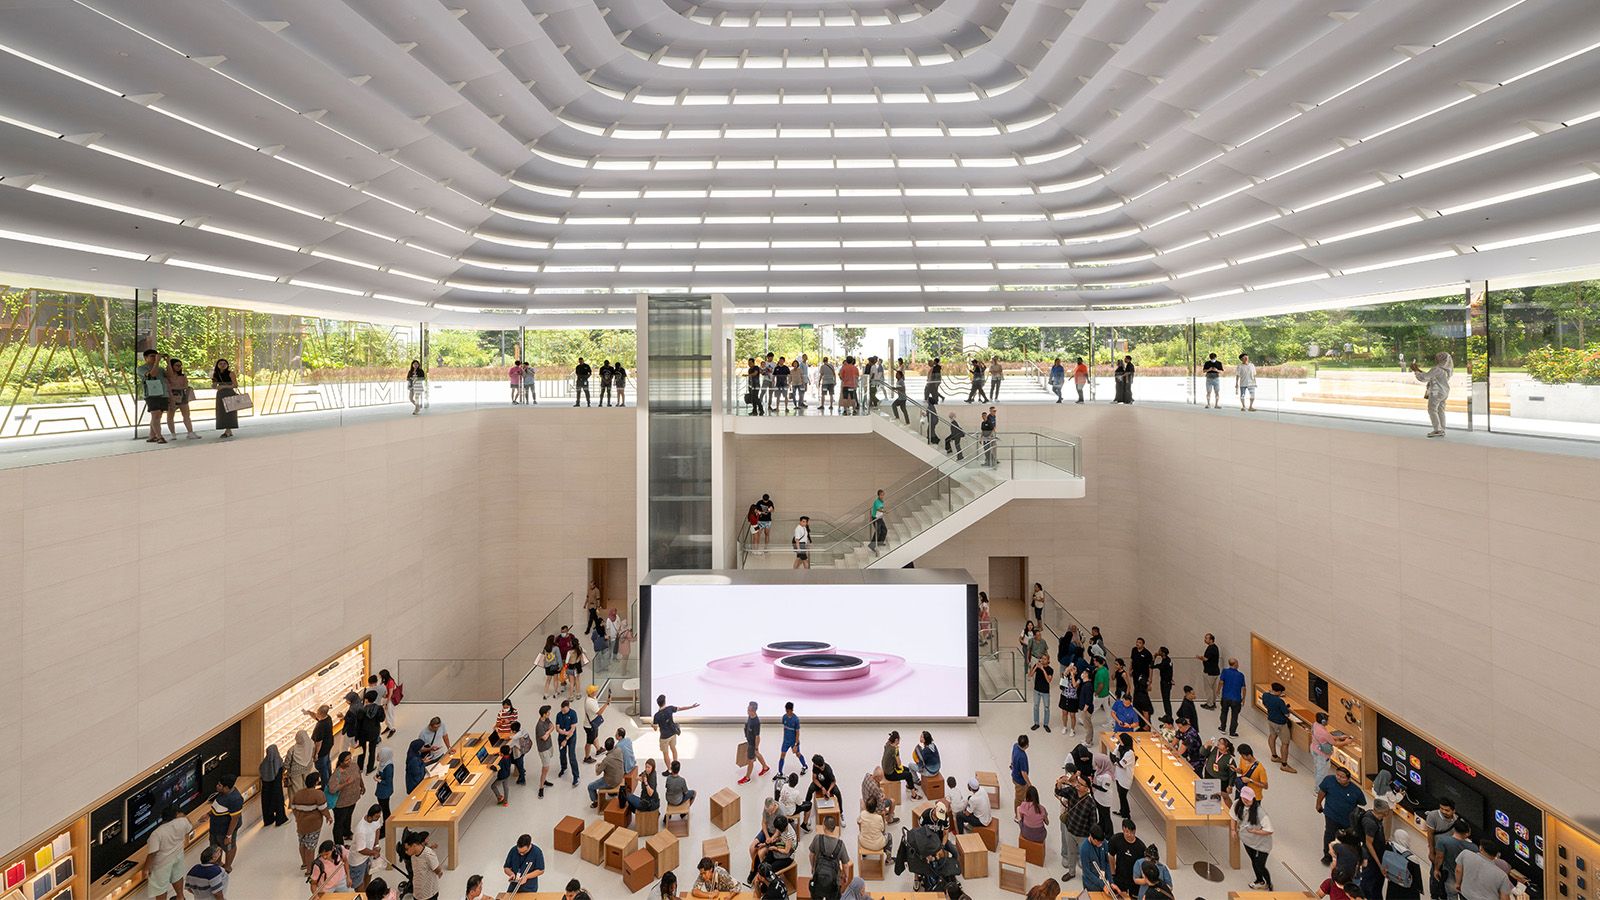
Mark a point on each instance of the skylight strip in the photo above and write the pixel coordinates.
(1426, 257)
(487, 288)
(18, 123)
(1288, 281)
(64, 244)
(412, 275)
(59, 70)
(102, 203)
(323, 286)
(206, 128)
(1461, 157)
(220, 270)
(279, 204)
(407, 301)
(252, 238)
(322, 254)
(137, 160)
(1536, 238)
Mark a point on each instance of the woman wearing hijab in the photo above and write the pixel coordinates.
(1127, 379)
(1101, 784)
(384, 788)
(272, 768)
(416, 769)
(1437, 390)
(302, 759)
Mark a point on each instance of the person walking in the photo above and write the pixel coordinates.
(544, 742)
(1437, 390)
(1244, 381)
(271, 771)
(310, 807)
(567, 740)
(1080, 377)
(897, 409)
(996, 373)
(222, 378)
(991, 440)
(802, 560)
(606, 373)
(179, 395)
(157, 397)
(849, 379)
(580, 391)
(827, 380)
(1232, 697)
(752, 740)
(416, 386)
(955, 436)
(931, 389)
(1020, 781)
(1338, 796)
(1254, 830)
(1212, 368)
(791, 738)
(878, 523)
(667, 728)
(1058, 378)
(977, 389)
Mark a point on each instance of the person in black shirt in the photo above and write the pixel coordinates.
(1213, 373)
(752, 738)
(1126, 852)
(991, 444)
(605, 382)
(752, 393)
(322, 740)
(956, 434)
(930, 391)
(1043, 674)
(780, 384)
(977, 382)
(1142, 661)
(1211, 663)
(1163, 667)
(822, 782)
(1186, 707)
(581, 390)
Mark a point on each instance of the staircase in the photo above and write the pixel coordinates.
(932, 506)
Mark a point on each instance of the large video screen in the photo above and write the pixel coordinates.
(178, 787)
(838, 651)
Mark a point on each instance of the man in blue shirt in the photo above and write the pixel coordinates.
(1124, 716)
(1279, 728)
(791, 739)
(1232, 696)
(524, 865)
(1337, 797)
(1093, 860)
(1058, 377)
(625, 747)
(1019, 769)
(567, 740)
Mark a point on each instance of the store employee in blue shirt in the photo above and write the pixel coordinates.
(1278, 725)
(1337, 797)
(524, 865)
(1232, 697)
(1019, 769)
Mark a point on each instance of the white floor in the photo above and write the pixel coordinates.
(267, 865)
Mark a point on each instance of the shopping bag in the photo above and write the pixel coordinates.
(236, 402)
(741, 756)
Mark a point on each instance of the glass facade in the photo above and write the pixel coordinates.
(680, 394)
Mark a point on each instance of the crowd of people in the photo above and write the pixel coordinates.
(164, 385)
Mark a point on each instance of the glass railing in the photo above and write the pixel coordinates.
(1002, 676)
(483, 679)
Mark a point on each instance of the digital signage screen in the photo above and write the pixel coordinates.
(842, 651)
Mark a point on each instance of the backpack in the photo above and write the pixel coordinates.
(776, 889)
(825, 872)
(1397, 867)
(373, 712)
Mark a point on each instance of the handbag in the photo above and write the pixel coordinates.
(236, 402)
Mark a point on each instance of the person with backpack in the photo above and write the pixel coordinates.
(1368, 826)
(829, 856)
(1401, 869)
(330, 871)
(1078, 817)
(370, 727)
(394, 692)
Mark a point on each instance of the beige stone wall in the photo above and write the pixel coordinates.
(819, 475)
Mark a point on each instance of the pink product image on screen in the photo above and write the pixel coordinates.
(780, 649)
(809, 674)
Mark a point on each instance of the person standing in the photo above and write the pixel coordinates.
(1437, 390)
(605, 382)
(1058, 377)
(780, 383)
(157, 397)
(619, 377)
(227, 808)
(1254, 830)
(1020, 782)
(383, 783)
(580, 390)
(1211, 667)
(1116, 381)
(1448, 849)
(1212, 368)
(514, 376)
(878, 522)
(594, 715)
(1244, 380)
(365, 847)
(369, 727)
(422, 864)
(1186, 706)
(1439, 824)
(1036, 600)
(179, 395)
(827, 380)
(898, 408)
(163, 858)
(752, 740)
(849, 378)
(207, 880)
(223, 380)
(991, 440)
(1080, 377)
(1337, 798)
(1279, 729)
(1094, 860)
(791, 738)
(1043, 675)
(310, 807)
(348, 787)
(996, 373)
(977, 382)
(524, 864)
(752, 382)
(1163, 670)
(567, 740)
(530, 384)
(799, 380)
(802, 556)
(1078, 818)
(667, 728)
(271, 771)
(1126, 852)
(544, 741)
(591, 606)
(1232, 686)
(416, 386)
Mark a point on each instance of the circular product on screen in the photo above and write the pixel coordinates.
(821, 667)
(780, 649)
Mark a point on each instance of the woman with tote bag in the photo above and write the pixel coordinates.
(227, 412)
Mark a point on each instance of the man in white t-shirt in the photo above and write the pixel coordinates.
(364, 846)
(1244, 378)
(163, 862)
(802, 543)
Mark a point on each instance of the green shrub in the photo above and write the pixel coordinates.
(1565, 365)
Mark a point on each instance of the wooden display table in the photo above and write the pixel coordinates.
(1155, 771)
(422, 811)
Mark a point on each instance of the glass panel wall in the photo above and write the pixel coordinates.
(1544, 359)
(66, 362)
(1160, 361)
(680, 386)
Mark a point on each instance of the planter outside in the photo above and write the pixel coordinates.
(1563, 402)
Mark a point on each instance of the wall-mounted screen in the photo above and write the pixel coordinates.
(879, 649)
(1429, 774)
(178, 787)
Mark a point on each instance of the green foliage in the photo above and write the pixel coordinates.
(944, 343)
(1565, 365)
(849, 338)
(788, 343)
(1014, 342)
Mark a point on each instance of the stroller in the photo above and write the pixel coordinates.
(932, 861)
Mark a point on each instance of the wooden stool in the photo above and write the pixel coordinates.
(990, 833)
(717, 849)
(991, 782)
(604, 794)
(1013, 870)
(680, 825)
(617, 813)
(725, 809)
(933, 787)
(827, 810)
(569, 834)
(872, 862)
(891, 789)
(791, 876)
(974, 856)
(647, 822)
(663, 847)
(594, 836)
(1033, 851)
(619, 843)
(638, 870)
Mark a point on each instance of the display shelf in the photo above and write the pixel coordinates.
(113, 887)
(285, 713)
(49, 870)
